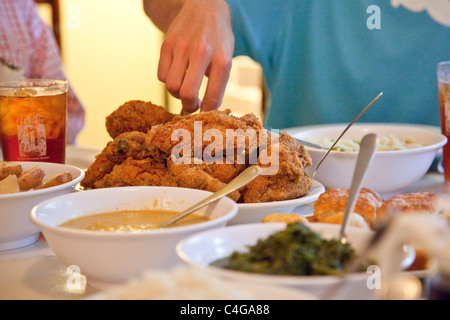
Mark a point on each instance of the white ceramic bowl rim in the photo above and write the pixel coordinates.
(442, 140)
(315, 191)
(74, 182)
(121, 235)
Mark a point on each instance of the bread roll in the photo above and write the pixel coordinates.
(417, 202)
(334, 201)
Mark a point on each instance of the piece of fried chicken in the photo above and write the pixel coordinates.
(134, 144)
(131, 172)
(203, 128)
(97, 170)
(136, 115)
(199, 176)
(288, 180)
(218, 147)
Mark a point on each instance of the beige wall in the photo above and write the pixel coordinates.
(111, 52)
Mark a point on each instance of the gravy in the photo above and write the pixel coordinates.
(130, 221)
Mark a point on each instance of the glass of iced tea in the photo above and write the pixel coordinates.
(33, 116)
(444, 103)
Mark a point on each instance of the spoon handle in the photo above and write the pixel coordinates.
(345, 130)
(369, 145)
(241, 180)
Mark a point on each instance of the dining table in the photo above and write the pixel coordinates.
(34, 272)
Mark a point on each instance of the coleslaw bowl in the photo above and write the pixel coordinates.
(390, 171)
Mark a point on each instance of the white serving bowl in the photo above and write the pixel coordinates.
(390, 171)
(108, 257)
(16, 230)
(255, 212)
(203, 248)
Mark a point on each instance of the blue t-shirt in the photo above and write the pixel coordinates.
(324, 60)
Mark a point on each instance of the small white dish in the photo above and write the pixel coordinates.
(16, 230)
(255, 212)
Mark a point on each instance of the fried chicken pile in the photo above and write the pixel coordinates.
(152, 147)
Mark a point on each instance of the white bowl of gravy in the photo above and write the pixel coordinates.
(110, 235)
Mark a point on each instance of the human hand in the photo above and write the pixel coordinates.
(199, 42)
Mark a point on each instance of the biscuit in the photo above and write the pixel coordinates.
(417, 202)
(334, 201)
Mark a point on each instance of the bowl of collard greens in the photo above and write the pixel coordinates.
(305, 256)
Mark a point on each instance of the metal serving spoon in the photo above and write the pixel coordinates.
(345, 130)
(241, 180)
(369, 145)
(314, 145)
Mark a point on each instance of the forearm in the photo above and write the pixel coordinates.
(162, 12)
(198, 42)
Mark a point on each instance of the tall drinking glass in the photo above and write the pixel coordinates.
(444, 103)
(33, 116)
